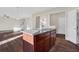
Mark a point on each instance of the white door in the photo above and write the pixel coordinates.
(61, 25)
(71, 26)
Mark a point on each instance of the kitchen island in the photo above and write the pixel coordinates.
(39, 41)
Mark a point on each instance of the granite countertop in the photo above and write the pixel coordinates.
(38, 31)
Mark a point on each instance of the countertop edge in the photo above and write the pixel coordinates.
(10, 39)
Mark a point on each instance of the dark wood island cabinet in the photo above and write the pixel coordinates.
(39, 43)
(53, 38)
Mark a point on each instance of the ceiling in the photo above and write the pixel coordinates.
(21, 11)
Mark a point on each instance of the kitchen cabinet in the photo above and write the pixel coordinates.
(42, 42)
(53, 38)
(39, 43)
(13, 44)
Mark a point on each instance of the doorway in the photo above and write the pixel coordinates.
(58, 19)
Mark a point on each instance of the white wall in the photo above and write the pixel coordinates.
(28, 23)
(10, 22)
(47, 19)
(58, 20)
(46, 16)
(48, 12)
(7, 23)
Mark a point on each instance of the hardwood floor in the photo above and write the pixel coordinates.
(62, 36)
(62, 45)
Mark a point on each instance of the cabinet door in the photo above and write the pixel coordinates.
(42, 42)
(53, 38)
(39, 46)
(46, 45)
(46, 41)
(27, 47)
